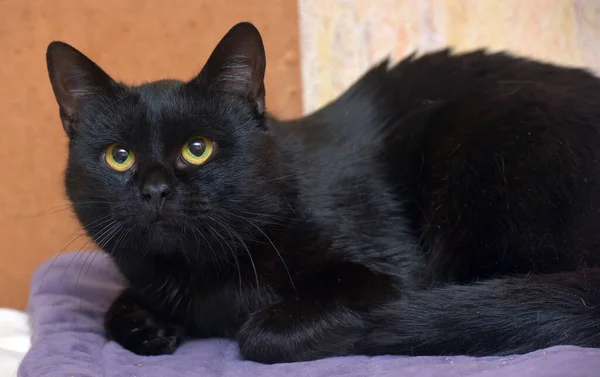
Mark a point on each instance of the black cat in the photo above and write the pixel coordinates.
(447, 205)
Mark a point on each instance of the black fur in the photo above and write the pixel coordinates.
(446, 205)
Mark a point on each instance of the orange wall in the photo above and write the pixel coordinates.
(133, 41)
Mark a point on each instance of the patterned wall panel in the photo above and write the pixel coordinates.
(340, 39)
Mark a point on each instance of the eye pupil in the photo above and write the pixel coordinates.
(120, 155)
(197, 147)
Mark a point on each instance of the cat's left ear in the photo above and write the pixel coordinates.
(76, 80)
(237, 65)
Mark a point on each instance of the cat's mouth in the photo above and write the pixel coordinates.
(161, 228)
(160, 222)
(155, 221)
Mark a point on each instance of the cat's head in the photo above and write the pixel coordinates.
(169, 165)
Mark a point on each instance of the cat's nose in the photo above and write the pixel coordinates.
(155, 189)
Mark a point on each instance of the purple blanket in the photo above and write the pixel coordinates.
(70, 294)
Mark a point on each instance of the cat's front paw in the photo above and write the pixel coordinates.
(155, 340)
(137, 330)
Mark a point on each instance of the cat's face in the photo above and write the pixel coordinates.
(170, 166)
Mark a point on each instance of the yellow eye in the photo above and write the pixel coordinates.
(197, 151)
(119, 158)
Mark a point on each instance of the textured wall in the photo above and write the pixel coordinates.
(340, 39)
(134, 41)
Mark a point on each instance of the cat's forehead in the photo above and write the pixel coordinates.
(160, 87)
(156, 93)
(164, 102)
(168, 111)
(165, 113)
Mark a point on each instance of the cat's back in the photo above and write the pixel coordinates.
(393, 111)
(470, 143)
(448, 76)
(387, 93)
(506, 163)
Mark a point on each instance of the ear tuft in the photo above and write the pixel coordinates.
(237, 65)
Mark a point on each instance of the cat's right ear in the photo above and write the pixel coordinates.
(237, 65)
(75, 80)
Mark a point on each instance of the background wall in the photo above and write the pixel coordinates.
(340, 39)
(132, 40)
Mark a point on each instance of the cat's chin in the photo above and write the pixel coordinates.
(155, 222)
(162, 233)
(160, 224)
(162, 229)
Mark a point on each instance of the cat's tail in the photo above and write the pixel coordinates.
(495, 317)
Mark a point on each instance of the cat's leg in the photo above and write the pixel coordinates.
(136, 328)
(495, 317)
(325, 320)
(301, 330)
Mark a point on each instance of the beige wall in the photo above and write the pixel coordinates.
(132, 40)
(340, 39)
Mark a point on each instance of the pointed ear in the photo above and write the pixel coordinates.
(75, 79)
(237, 65)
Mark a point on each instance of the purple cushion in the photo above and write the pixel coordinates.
(70, 294)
